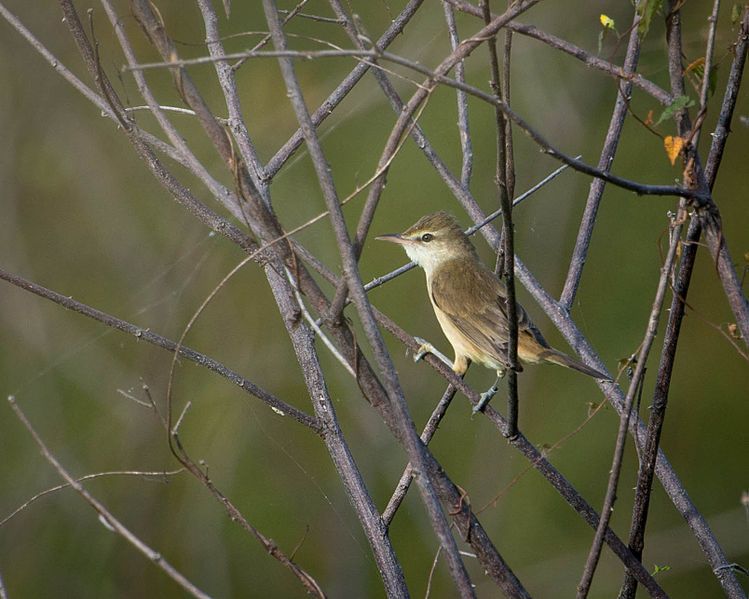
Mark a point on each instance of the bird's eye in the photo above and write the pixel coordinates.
(427, 237)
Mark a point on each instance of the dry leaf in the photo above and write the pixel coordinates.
(698, 66)
(673, 146)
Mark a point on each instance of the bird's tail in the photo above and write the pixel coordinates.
(556, 357)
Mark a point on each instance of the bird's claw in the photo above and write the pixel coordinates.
(424, 348)
(484, 399)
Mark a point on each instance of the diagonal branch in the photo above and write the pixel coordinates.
(466, 145)
(104, 514)
(597, 186)
(407, 433)
(279, 406)
(336, 97)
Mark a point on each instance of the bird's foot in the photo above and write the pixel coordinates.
(427, 348)
(484, 399)
(424, 348)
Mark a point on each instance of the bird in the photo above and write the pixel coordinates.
(470, 303)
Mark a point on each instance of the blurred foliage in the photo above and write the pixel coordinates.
(81, 215)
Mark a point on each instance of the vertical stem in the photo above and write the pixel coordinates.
(463, 127)
(503, 167)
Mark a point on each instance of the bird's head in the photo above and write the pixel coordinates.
(433, 240)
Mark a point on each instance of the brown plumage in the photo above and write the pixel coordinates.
(470, 301)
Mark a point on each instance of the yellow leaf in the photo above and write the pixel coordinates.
(673, 146)
(606, 21)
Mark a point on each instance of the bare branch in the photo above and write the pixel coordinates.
(597, 186)
(414, 447)
(106, 516)
(580, 54)
(278, 406)
(463, 128)
(163, 475)
(399, 494)
(337, 96)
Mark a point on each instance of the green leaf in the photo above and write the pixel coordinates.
(646, 9)
(658, 569)
(678, 104)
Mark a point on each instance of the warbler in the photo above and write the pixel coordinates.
(470, 303)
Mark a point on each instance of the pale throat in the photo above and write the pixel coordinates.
(429, 258)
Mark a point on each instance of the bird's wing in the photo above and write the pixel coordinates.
(473, 299)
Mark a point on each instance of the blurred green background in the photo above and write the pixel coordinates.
(81, 215)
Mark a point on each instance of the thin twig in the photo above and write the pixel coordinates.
(144, 334)
(708, 64)
(723, 126)
(107, 517)
(597, 186)
(466, 145)
(587, 58)
(204, 60)
(163, 475)
(504, 180)
(290, 14)
(229, 87)
(337, 96)
(320, 333)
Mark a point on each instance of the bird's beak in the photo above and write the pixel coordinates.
(393, 238)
